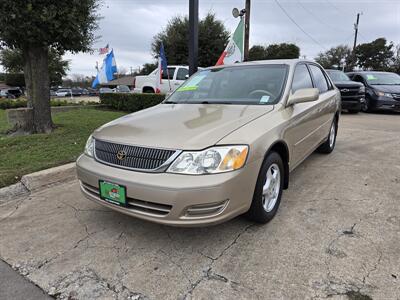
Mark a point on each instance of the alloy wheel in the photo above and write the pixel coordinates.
(271, 188)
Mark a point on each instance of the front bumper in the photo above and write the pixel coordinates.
(385, 103)
(352, 102)
(174, 199)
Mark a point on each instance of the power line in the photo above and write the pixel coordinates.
(298, 26)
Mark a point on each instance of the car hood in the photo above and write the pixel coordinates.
(387, 88)
(180, 126)
(348, 84)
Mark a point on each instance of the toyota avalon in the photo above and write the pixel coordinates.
(223, 144)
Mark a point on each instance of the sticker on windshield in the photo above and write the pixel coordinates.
(371, 77)
(192, 84)
(264, 99)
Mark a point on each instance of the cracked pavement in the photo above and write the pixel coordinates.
(336, 236)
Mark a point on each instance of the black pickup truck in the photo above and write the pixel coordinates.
(352, 92)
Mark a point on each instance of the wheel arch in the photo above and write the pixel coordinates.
(148, 88)
(282, 149)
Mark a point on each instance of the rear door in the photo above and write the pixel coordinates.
(167, 82)
(181, 76)
(325, 108)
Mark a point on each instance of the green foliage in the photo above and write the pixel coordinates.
(396, 60)
(13, 62)
(15, 79)
(64, 25)
(376, 55)
(130, 102)
(274, 51)
(334, 58)
(147, 68)
(20, 155)
(213, 38)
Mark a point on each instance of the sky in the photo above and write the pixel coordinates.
(128, 26)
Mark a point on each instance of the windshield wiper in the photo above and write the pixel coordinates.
(170, 102)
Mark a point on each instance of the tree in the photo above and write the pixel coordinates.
(396, 60)
(13, 62)
(257, 52)
(376, 55)
(336, 57)
(33, 27)
(146, 69)
(274, 51)
(213, 38)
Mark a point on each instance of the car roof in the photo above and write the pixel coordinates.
(290, 62)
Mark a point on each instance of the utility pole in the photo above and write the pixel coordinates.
(193, 36)
(356, 32)
(246, 31)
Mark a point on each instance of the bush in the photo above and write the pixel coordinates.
(130, 102)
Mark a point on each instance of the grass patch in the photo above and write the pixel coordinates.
(22, 155)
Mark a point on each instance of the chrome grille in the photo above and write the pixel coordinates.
(134, 157)
(349, 92)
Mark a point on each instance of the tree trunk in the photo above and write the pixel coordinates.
(37, 81)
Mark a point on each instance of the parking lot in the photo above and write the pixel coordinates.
(336, 236)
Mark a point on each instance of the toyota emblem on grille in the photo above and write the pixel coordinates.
(121, 154)
(345, 90)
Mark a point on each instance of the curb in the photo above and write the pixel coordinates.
(46, 177)
(37, 180)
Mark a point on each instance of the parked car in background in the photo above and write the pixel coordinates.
(105, 90)
(352, 92)
(64, 93)
(122, 89)
(147, 84)
(93, 92)
(221, 145)
(382, 90)
(77, 92)
(11, 93)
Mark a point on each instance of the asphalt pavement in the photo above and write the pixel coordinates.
(336, 236)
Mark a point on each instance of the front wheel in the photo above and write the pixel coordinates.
(366, 107)
(268, 191)
(330, 143)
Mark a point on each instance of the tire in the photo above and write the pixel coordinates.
(148, 91)
(330, 143)
(366, 107)
(269, 182)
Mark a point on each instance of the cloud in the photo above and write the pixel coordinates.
(129, 25)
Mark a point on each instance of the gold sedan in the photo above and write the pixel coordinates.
(223, 144)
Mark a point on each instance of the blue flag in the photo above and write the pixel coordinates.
(107, 70)
(164, 64)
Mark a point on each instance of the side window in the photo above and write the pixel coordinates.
(170, 74)
(301, 78)
(181, 75)
(319, 79)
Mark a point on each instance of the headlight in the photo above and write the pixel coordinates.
(210, 161)
(362, 89)
(382, 94)
(89, 148)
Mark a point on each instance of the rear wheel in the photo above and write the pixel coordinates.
(148, 90)
(329, 145)
(268, 191)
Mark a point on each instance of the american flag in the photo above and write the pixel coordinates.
(103, 50)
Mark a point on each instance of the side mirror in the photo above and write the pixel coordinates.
(303, 95)
(186, 76)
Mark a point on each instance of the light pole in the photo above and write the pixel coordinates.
(246, 13)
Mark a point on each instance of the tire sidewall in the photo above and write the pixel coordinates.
(257, 208)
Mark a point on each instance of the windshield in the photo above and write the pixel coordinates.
(260, 84)
(382, 78)
(337, 76)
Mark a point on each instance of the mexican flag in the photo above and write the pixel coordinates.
(234, 50)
